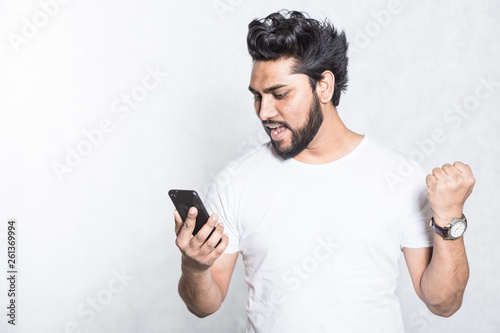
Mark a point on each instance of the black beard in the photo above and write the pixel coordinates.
(302, 137)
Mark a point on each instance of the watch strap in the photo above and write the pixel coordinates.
(444, 232)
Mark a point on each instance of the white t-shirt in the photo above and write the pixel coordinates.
(321, 243)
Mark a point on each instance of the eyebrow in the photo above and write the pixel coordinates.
(267, 90)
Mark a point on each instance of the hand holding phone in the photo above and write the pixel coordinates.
(200, 251)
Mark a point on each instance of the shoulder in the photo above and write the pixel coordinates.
(383, 149)
(399, 171)
(258, 156)
(391, 158)
(246, 166)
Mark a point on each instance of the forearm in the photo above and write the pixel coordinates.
(443, 282)
(199, 291)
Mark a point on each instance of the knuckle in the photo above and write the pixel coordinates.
(440, 187)
(184, 250)
(199, 237)
(447, 184)
(471, 182)
(188, 253)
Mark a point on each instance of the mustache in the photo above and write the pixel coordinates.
(274, 123)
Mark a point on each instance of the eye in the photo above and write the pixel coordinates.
(257, 97)
(280, 96)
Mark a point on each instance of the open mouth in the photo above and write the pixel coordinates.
(277, 131)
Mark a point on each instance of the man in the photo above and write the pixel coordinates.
(319, 227)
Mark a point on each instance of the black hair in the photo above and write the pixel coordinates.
(316, 46)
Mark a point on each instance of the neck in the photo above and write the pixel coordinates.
(332, 142)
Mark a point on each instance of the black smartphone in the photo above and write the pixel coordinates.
(185, 199)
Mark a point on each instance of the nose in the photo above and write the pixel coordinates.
(266, 108)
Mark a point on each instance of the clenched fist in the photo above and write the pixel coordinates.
(447, 189)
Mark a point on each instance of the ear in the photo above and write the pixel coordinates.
(325, 87)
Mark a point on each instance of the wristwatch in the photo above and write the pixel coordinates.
(454, 230)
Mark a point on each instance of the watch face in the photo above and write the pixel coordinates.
(457, 229)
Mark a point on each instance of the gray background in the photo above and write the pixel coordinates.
(111, 212)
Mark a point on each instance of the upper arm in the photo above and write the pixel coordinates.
(417, 261)
(222, 270)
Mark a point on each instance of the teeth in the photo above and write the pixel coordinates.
(275, 132)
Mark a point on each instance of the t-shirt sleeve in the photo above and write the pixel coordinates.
(219, 200)
(416, 232)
